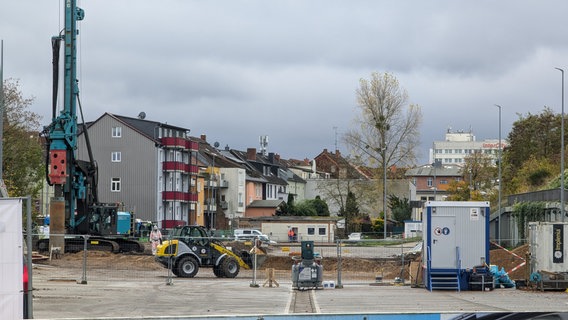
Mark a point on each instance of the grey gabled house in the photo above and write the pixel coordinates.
(147, 166)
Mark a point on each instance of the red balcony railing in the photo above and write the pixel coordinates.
(175, 142)
(192, 145)
(175, 166)
(179, 196)
(170, 224)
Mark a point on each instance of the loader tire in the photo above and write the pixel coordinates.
(175, 271)
(187, 267)
(217, 271)
(230, 267)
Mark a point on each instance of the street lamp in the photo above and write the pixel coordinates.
(384, 150)
(562, 151)
(499, 163)
(212, 180)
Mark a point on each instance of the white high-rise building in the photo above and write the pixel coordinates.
(460, 144)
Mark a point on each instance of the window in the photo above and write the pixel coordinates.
(116, 132)
(321, 231)
(115, 185)
(429, 182)
(311, 231)
(258, 189)
(116, 156)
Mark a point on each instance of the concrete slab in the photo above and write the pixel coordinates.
(58, 297)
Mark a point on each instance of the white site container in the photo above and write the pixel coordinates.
(456, 237)
(548, 246)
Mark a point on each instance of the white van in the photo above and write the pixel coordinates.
(249, 234)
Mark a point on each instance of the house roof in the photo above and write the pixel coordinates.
(293, 219)
(428, 170)
(146, 128)
(254, 167)
(266, 203)
(351, 171)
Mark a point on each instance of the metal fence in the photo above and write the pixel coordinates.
(374, 261)
(345, 262)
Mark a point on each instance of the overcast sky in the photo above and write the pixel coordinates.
(236, 70)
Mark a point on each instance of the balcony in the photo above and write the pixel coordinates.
(179, 196)
(175, 166)
(192, 145)
(215, 184)
(175, 142)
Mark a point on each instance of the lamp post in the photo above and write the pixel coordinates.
(562, 151)
(385, 190)
(499, 164)
(211, 199)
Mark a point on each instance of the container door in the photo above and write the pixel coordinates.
(443, 242)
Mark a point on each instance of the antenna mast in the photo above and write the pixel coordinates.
(263, 145)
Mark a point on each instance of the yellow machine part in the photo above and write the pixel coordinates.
(161, 248)
(230, 253)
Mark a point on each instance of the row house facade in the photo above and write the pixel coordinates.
(234, 184)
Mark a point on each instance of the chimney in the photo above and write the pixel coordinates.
(271, 157)
(277, 157)
(251, 154)
(337, 153)
(204, 137)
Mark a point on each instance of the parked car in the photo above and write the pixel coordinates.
(355, 236)
(250, 234)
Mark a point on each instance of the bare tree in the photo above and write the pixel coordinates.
(386, 131)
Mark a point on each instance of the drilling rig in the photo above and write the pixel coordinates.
(77, 217)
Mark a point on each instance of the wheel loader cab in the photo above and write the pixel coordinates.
(194, 234)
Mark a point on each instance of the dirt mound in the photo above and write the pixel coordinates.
(511, 261)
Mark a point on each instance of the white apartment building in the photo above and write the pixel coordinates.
(459, 145)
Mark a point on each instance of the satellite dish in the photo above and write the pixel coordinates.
(216, 144)
(142, 115)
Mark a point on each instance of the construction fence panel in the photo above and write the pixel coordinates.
(96, 265)
(344, 262)
(360, 261)
(370, 261)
